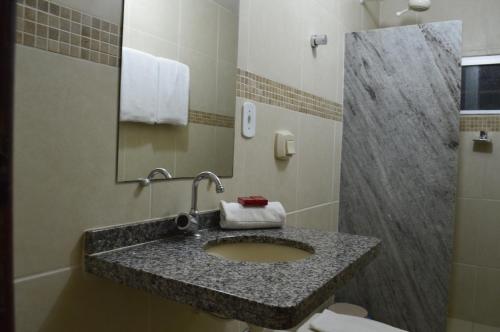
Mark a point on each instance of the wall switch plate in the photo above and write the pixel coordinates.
(285, 145)
(248, 120)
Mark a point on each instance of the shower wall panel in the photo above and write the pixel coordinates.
(399, 168)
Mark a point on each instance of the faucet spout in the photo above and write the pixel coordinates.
(166, 174)
(147, 181)
(219, 188)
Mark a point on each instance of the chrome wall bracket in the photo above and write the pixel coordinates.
(317, 40)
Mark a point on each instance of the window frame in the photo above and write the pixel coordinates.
(480, 61)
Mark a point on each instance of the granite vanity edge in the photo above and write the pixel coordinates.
(125, 235)
(199, 297)
(226, 304)
(325, 292)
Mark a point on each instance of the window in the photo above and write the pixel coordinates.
(481, 85)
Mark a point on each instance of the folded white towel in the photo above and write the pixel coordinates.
(139, 87)
(236, 216)
(173, 92)
(329, 321)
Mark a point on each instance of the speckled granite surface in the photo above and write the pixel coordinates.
(109, 238)
(273, 295)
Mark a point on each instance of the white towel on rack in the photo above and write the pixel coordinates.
(173, 92)
(329, 321)
(139, 87)
(236, 216)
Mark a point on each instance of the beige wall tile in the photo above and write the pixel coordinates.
(292, 220)
(226, 88)
(340, 85)
(487, 297)
(65, 159)
(227, 35)
(486, 328)
(474, 36)
(159, 18)
(351, 15)
(479, 18)
(224, 151)
(195, 150)
(370, 15)
(320, 65)
(231, 5)
(263, 174)
(320, 218)
(315, 154)
(335, 217)
(78, 302)
(172, 197)
(457, 325)
(244, 34)
(275, 44)
(491, 178)
(388, 17)
(462, 290)
(169, 316)
(337, 161)
(199, 26)
(488, 234)
(149, 43)
(466, 229)
(329, 5)
(203, 84)
(144, 147)
(471, 167)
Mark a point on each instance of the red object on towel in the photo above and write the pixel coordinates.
(253, 201)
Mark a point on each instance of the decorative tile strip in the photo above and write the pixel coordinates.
(54, 28)
(211, 119)
(260, 89)
(482, 122)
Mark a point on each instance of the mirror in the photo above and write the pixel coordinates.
(178, 87)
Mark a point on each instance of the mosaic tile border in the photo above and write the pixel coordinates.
(51, 27)
(211, 119)
(480, 122)
(261, 89)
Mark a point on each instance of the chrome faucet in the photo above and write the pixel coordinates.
(190, 222)
(147, 181)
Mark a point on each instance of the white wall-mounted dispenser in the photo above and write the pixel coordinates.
(248, 120)
(285, 145)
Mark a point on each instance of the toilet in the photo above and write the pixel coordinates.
(355, 325)
(350, 318)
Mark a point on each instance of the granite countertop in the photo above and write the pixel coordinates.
(273, 295)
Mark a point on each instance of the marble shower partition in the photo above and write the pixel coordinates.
(399, 168)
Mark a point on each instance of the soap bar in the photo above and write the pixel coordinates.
(253, 201)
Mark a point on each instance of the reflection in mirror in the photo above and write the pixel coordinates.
(178, 87)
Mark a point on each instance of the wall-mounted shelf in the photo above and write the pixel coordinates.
(483, 138)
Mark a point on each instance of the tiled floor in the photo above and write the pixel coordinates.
(457, 325)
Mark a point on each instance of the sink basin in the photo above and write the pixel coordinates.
(259, 250)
